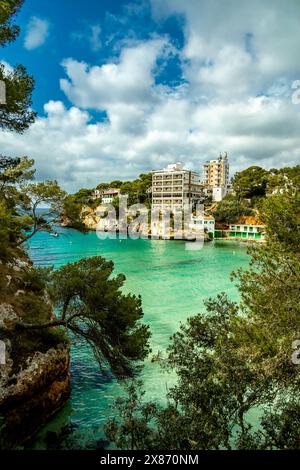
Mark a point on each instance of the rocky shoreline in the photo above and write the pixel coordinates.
(93, 222)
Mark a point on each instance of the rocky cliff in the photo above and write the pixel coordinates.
(34, 366)
(30, 397)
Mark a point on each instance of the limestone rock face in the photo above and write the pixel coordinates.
(90, 218)
(34, 365)
(31, 396)
(8, 317)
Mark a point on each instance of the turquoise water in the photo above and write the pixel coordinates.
(173, 283)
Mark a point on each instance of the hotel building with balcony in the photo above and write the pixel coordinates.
(175, 187)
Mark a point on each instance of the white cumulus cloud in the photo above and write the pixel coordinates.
(37, 33)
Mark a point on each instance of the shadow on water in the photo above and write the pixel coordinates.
(93, 377)
(187, 261)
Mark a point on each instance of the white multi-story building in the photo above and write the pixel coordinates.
(175, 187)
(215, 175)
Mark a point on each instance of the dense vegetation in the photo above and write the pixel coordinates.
(136, 190)
(8, 30)
(16, 114)
(250, 187)
(73, 205)
(234, 360)
(231, 209)
(251, 182)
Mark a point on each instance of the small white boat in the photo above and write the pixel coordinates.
(54, 234)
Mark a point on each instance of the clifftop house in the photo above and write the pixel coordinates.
(107, 195)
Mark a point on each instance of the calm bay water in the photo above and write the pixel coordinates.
(173, 283)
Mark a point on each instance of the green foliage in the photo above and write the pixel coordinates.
(281, 215)
(14, 171)
(32, 196)
(9, 229)
(137, 417)
(281, 426)
(36, 279)
(72, 212)
(250, 182)
(26, 294)
(137, 192)
(24, 287)
(283, 178)
(92, 306)
(216, 385)
(83, 196)
(8, 30)
(16, 114)
(73, 205)
(137, 189)
(20, 200)
(270, 289)
(230, 209)
(102, 186)
(87, 297)
(251, 188)
(115, 184)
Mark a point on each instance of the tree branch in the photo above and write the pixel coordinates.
(39, 326)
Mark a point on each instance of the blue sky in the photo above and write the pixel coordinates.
(123, 87)
(71, 24)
